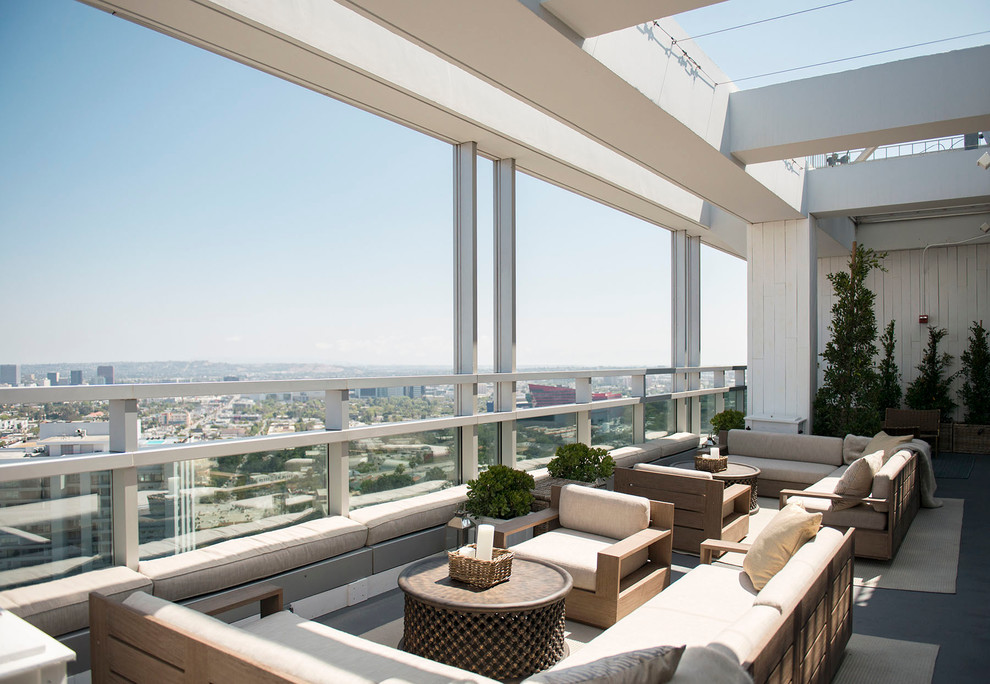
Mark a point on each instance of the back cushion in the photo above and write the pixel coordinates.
(785, 447)
(598, 511)
(667, 470)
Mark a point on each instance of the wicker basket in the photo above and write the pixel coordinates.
(709, 464)
(971, 439)
(480, 573)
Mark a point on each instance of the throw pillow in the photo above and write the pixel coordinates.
(647, 665)
(857, 480)
(890, 444)
(853, 446)
(789, 529)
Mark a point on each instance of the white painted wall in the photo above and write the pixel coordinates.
(957, 292)
(782, 318)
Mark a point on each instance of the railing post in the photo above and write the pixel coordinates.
(720, 397)
(582, 395)
(505, 303)
(338, 463)
(638, 388)
(123, 483)
(466, 301)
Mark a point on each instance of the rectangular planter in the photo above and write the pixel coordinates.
(971, 439)
(945, 437)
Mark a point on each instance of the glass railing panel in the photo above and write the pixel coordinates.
(707, 403)
(610, 387)
(538, 438)
(736, 399)
(659, 384)
(487, 445)
(380, 405)
(612, 427)
(54, 527)
(401, 466)
(191, 504)
(486, 398)
(548, 392)
(660, 419)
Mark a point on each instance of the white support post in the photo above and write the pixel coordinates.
(505, 303)
(123, 483)
(719, 398)
(638, 389)
(685, 324)
(338, 465)
(582, 395)
(740, 378)
(466, 300)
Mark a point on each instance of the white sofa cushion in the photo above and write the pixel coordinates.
(397, 518)
(709, 590)
(237, 561)
(601, 512)
(786, 471)
(62, 605)
(668, 470)
(576, 552)
(774, 445)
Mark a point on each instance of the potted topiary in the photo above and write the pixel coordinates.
(973, 436)
(726, 420)
(500, 492)
(581, 462)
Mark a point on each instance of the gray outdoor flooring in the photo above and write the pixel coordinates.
(959, 623)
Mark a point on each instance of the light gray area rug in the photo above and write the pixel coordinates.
(875, 660)
(928, 559)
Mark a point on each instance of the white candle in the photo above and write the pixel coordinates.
(715, 452)
(486, 539)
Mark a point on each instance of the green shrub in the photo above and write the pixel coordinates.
(975, 392)
(500, 492)
(930, 390)
(581, 462)
(729, 419)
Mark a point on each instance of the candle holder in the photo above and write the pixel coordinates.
(480, 573)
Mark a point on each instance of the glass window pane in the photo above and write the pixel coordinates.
(612, 428)
(723, 308)
(401, 466)
(538, 438)
(487, 445)
(660, 419)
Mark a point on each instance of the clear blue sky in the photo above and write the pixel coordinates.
(160, 202)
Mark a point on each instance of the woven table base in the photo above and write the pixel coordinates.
(500, 645)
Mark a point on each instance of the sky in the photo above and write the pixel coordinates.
(160, 202)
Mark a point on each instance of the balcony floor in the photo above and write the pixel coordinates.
(958, 623)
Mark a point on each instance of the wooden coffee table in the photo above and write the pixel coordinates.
(508, 631)
(735, 473)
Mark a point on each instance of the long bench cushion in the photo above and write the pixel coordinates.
(800, 472)
(397, 518)
(61, 606)
(576, 552)
(237, 561)
(655, 449)
(349, 655)
(678, 442)
(862, 516)
(785, 447)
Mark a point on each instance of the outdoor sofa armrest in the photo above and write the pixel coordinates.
(524, 522)
(609, 569)
(711, 546)
(786, 493)
(268, 595)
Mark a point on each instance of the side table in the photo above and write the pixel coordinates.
(28, 655)
(735, 473)
(507, 631)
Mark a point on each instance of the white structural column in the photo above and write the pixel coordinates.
(582, 395)
(338, 464)
(124, 485)
(466, 298)
(685, 324)
(781, 273)
(505, 302)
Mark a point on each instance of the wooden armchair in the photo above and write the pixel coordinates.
(704, 508)
(923, 424)
(627, 572)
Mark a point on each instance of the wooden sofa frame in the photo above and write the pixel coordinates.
(703, 509)
(126, 645)
(811, 641)
(614, 596)
(902, 505)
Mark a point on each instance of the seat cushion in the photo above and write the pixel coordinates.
(786, 447)
(234, 562)
(397, 518)
(710, 590)
(791, 527)
(861, 516)
(678, 442)
(799, 472)
(668, 470)
(628, 456)
(603, 513)
(61, 606)
(576, 552)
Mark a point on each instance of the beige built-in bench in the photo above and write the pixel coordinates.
(309, 557)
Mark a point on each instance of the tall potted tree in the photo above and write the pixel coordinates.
(931, 389)
(974, 435)
(889, 385)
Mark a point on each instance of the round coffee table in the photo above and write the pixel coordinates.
(507, 631)
(734, 473)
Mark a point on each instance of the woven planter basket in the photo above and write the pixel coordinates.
(971, 439)
(480, 573)
(709, 464)
(945, 437)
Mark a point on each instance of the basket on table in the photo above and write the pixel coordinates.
(710, 464)
(480, 573)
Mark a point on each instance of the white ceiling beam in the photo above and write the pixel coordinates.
(590, 18)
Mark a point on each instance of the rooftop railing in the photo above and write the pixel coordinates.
(908, 149)
(68, 514)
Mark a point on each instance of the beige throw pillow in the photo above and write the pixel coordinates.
(655, 665)
(852, 447)
(857, 480)
(789, 529)
(890, 444)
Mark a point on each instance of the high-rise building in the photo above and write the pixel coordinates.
(10, 374)
(75, 377)
(105, 372)
(53, 378)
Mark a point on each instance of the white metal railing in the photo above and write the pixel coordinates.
(908, 149)
(125, 458)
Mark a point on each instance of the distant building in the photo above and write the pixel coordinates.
(551, 395)
(415, 391)
(75, 377)
(53, 378)
(10, 374)
(105, 372)
(231, 378)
